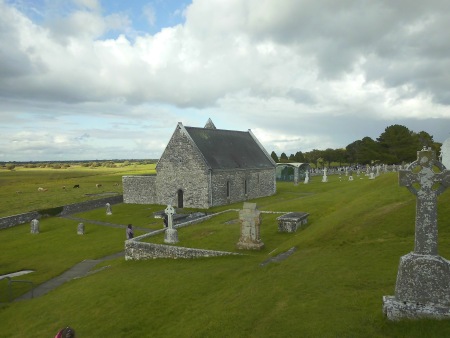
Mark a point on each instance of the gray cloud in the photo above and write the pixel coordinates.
(309, 74)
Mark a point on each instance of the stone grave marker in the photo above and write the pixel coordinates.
(108, 209)
(306, 177)
(80, 229)
(250, 218)
(34, 226)
(171, 234)
(445, 153)
(324, 177)
(292, 221)
(422, 289)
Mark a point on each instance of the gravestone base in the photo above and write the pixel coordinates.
(171, 236)
(422, 289)
(395, 309)
(250, 245)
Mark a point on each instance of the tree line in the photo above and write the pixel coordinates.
(397, 144)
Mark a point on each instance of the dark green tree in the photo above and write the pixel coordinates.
(274, 157)
(299, 157)
(399, 143)
(283, 158)
(365, 151)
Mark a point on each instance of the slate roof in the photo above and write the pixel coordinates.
(229, 149)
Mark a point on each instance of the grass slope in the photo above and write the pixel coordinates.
(332, 286)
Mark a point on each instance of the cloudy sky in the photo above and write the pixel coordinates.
(91, 79)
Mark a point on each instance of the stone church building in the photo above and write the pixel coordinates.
(205, 167)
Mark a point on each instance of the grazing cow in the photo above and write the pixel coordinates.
(41, 189)
(98, 185)
(64, 187)
(76, 186)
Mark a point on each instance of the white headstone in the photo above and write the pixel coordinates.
(35, 226)
(80, 229)
(108, 209)
(307, 178)
(445, 153)
(325, 178)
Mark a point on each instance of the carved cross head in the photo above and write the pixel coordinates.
(169, 210)
(421, 173)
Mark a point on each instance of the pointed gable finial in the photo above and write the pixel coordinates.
(209, 124)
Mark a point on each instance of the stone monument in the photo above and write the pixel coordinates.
(445, 153)
(80, 229)
(250, 218)
(306, 177)
(324, 177)
(422, 289)
(108, 209)
(34, 226)
(171, 234)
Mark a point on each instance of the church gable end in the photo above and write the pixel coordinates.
(182, 171)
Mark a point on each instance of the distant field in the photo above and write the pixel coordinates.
(19, 187)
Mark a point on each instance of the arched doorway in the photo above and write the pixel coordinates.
(180, 198)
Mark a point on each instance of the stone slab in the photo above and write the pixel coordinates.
(394, 309)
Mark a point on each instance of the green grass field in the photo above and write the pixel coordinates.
(331, 286)
(19, 187)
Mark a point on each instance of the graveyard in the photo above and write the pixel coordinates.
(330, 281)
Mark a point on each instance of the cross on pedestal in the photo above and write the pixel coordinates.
(169, 212)
(426, 207)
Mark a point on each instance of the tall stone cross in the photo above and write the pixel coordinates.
(421, 172)
(169, 212)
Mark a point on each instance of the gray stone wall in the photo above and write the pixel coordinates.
(139, 189)
(141, 251)
(90, 205)
(137, 250)
(182, 167)
(260, 182)
(10, 221)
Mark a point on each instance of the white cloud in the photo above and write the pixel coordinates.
(292, 70)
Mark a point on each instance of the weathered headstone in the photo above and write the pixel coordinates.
(445, 153)
(34, 226)
(80, 229)
(306, 177)
(250, 218)
(171, 234)
(108, 209)
(422, 289)
(324, 177)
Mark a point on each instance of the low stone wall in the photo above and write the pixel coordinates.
(137, 250)
(90, 205)
(10, 221)
(139, 189)
(140, 251)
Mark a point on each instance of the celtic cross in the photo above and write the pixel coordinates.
(421, 172)
(169, 212)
